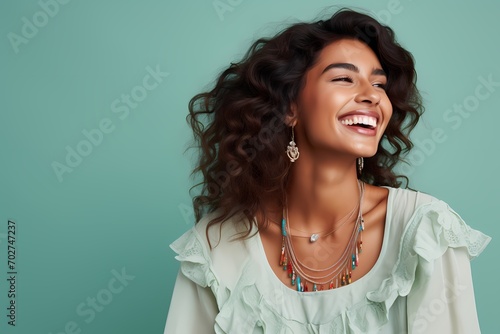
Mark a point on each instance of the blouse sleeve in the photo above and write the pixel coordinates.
(444, 303)
(192, 309)
(433, 272)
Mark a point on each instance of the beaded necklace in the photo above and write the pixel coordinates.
(329, 277)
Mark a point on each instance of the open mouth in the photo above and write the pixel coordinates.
(366, 122)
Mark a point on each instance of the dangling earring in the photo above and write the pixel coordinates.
(360, 165)
(292, 150)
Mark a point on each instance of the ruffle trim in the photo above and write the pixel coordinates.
(431, 230)
(195, 261)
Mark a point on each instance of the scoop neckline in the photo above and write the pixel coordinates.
(383, 249)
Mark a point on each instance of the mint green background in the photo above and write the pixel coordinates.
(128, 200)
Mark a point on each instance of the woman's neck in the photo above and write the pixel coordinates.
(321, 194)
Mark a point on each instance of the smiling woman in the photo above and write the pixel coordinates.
(311, 232)
(343, 91)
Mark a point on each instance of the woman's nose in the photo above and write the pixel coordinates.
(368, 94)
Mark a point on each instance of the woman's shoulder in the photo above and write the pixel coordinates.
(431, 225)
(218, 234)
(398, 201)
(404, 203)
(426, 228)
(410, 198)
(207, 251)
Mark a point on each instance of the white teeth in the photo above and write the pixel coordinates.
(366, 120)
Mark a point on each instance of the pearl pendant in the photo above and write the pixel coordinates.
(314, 237)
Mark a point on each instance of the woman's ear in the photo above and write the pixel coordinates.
(292, 115)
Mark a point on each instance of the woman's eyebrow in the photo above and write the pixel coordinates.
(347, 66)
(352, 67)
(379, 71)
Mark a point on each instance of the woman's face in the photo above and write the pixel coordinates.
(343, 108)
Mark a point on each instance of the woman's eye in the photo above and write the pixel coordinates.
(380, 85)
(344, 79)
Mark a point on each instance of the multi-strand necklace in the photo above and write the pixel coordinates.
(339, 272)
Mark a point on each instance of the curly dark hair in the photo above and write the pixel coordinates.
(239, 126)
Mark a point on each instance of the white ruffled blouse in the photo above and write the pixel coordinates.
(421, 282)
